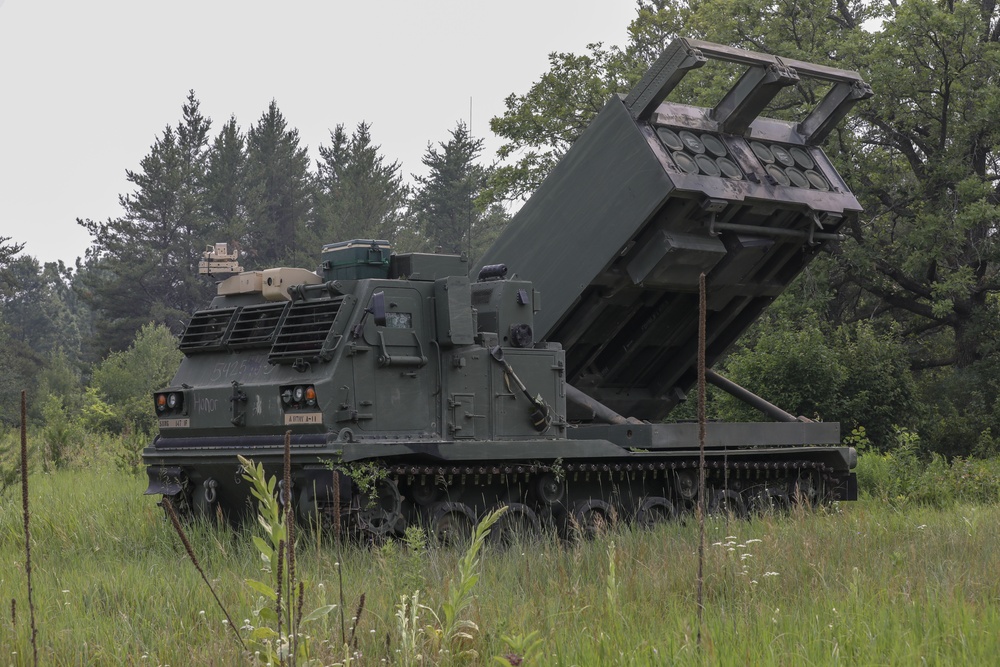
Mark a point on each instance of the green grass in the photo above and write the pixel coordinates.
(861, 583)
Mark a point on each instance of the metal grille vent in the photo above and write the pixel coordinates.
(255, 326)
(206, 330)
(306, 332)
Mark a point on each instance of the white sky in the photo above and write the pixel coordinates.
(88, 84)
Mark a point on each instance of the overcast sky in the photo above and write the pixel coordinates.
(88, 84)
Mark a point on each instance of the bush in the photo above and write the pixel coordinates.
(851, 374)
(901, 477)
(119, 398)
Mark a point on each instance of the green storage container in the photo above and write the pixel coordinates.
(355, 260)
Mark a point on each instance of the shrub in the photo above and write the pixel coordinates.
(119, 397)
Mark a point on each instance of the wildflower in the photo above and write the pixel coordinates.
(751, 541)
(770, 574)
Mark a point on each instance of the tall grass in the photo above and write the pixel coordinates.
(860, 583)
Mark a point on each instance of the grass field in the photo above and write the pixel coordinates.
(859, 583)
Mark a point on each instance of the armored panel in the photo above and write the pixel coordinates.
(506, 308)
(653, 194)
(455, 323)
(427, 266)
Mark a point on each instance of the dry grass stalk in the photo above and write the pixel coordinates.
(176, 522)
(27, 527)
(357, 619)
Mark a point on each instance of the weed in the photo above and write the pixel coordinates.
(451, 633)
(284, 641)
(175, 521)
(27, 522)
(521, 649)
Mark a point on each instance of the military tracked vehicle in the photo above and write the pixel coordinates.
(540, 378)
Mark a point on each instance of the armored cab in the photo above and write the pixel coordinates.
(412, 390)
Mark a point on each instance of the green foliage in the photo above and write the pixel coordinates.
(225, 183)
(8, 251)
(540, 125)
(119, 397)
(359, 194)
(142, 266)
(277, 632)
(903, 477)
(875, 572)
(278, 191)
(61, 434)
(921, 156)
(20, 367)
(450, 634)
(10, 460)
(453, 626)
(852, 374)
(521, 649)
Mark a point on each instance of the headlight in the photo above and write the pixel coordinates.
(310, 396)
(161, 402)
(173, 400)
(298, 393)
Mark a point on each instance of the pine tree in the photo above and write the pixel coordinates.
(142, 266)
(278, 191)
(225, 184)
(445, 203)
(359, 195)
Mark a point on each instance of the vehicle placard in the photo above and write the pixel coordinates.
(304, 418)
(180, 422)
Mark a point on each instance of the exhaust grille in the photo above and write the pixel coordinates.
(206, 330)
(256, 326)
(306, 333)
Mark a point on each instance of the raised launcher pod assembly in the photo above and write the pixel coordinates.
(441, 393)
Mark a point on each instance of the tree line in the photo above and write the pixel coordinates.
(255, 188)
(894, 332)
